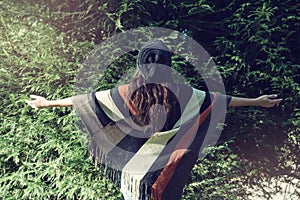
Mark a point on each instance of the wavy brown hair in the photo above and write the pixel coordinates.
(156, 104)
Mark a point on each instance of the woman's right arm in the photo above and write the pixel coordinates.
(39, 102)
(266, 101)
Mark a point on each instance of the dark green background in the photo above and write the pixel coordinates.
(43, 43)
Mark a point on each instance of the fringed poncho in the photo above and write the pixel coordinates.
(155, 167)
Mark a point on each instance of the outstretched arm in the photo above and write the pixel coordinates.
(266, 101)
(41, 102)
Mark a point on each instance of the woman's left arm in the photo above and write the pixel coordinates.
(266, 101)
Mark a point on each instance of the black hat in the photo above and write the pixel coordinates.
(151, 54)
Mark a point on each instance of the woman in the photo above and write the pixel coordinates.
(149, 132)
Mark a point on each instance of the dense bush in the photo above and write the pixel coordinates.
(255, 45)
(43, 155)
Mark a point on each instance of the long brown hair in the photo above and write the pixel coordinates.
(156, 104)
(154, 97)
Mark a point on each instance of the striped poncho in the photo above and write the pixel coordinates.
(155, 167)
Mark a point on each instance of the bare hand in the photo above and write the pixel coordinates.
(268, 101)
(38, 102)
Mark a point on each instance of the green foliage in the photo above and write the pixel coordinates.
(43, 43)
(210, 178)
(43, 155)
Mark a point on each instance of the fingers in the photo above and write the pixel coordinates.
(35, 102)
(273, 101)
(35, 96)
(277, 100)
(272, 96)
(31, 104)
